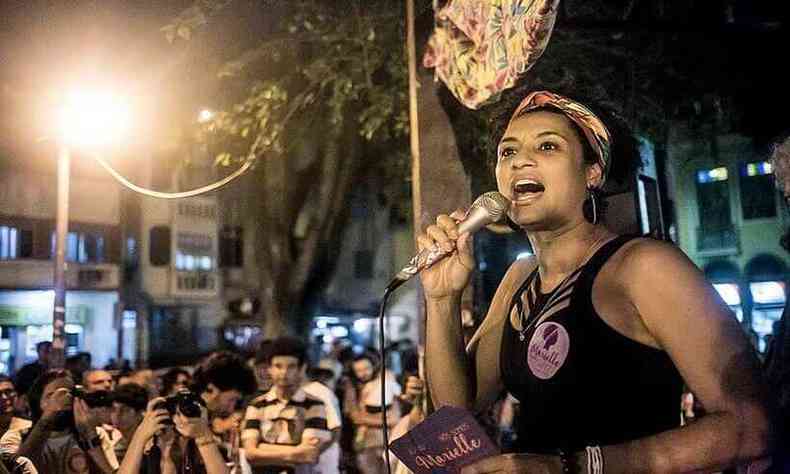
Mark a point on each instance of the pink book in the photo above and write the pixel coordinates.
(443, 443)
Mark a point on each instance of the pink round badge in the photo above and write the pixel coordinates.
(548, 350)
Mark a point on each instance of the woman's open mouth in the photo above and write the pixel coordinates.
(527, 190)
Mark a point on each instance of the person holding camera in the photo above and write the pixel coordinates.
(285, 429)
(165, 420)
(63, 438)
(220, 381)
(129, 402)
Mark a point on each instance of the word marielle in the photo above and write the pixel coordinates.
(462, 448)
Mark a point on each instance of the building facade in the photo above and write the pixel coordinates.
(730, 220)
(93, 254)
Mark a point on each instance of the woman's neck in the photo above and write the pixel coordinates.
(561, 252)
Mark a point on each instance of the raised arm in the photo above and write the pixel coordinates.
(153, 423)
(685, 315)
(448, 369)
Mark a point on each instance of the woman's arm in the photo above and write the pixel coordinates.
(688, 319)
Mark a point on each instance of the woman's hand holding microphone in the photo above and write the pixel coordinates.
(449, 276)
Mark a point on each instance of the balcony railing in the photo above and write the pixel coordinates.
(718, 240)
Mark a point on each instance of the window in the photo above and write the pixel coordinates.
(194, 252)
(758, 200)
(713, 199)
(231, 247)
(159, 254)
(81, 247)
(9, 243)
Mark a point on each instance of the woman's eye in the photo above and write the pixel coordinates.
(547, 146)
(507, 153)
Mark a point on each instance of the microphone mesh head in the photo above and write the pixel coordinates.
(493, 202)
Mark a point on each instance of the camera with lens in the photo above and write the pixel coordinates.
(187, 402)
(101, 398)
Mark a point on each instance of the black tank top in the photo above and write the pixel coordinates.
(580, 382)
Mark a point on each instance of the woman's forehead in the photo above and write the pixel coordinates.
(535, 123)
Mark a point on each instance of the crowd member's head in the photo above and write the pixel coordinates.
(128, 407)
(221, 380)
(97, 380)
(43, 349)
(44, 390)
(286, 361)
(365, 366)
(262, 365)
(8, 397)
(174, 380)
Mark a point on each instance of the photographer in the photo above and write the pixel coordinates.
(200, 453)
(129, 403)
(219, 384)
(63, 438)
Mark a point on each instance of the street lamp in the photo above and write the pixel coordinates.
(87, 119)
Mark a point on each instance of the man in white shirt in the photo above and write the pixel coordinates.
(329, 460)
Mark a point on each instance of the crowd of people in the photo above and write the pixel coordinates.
(276, 412)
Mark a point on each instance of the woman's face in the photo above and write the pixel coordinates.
(541, 170)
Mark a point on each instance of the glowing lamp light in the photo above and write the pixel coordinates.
(93, 118)
(205, 115)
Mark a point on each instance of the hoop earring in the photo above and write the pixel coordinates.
(590, 207)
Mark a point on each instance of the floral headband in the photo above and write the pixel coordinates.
(594, 129)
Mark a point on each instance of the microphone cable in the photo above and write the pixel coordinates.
(384, 427)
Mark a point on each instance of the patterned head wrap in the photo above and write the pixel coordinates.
(594, 129)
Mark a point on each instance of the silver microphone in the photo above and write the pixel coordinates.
(487, 209)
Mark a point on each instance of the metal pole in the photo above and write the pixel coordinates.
(57, 354)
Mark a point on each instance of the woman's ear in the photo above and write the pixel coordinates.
(594, 176)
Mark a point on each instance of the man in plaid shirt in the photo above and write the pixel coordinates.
(285, 429)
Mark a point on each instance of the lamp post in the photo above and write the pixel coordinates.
(88, 119)
(61, 231)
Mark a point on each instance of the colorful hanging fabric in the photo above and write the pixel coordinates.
(480, 47)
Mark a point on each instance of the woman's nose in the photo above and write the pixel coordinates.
(522, 159)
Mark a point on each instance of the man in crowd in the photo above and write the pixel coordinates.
(8, 399)
(30, 372)
(63, 438)
(321, 385)
(285, 429)
(262, 367)
(174, 380)
(129, 402)
(97, 380)
(363, 404)
(98, 384)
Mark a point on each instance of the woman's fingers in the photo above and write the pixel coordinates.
(449, 225)
(439, 235)
(458, 215)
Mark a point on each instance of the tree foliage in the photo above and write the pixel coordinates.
(316, 102)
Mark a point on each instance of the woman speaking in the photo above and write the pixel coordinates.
(591, 319)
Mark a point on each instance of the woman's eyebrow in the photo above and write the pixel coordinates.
(549, 132)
